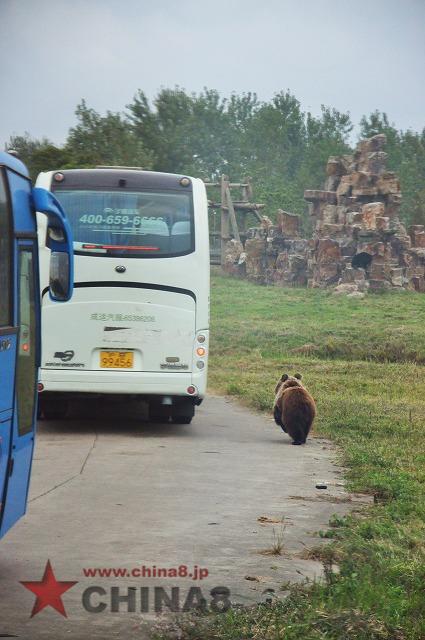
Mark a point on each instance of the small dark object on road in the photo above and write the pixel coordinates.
(321, 485)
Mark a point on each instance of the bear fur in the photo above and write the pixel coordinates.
(294, 408)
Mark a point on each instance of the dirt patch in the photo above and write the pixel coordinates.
(323, 498)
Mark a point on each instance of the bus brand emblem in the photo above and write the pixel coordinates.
(173, 365)
(5, 344)
(120, 268)
(65, 356)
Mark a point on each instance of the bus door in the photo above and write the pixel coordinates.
(22, 390)
(8, 339)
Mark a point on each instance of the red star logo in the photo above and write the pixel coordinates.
(48, 591)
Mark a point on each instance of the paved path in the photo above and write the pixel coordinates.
(115, 491)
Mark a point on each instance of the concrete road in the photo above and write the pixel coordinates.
(113, 491)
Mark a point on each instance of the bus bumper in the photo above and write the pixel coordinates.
(122, 382)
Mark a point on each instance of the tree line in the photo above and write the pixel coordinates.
(282, 147)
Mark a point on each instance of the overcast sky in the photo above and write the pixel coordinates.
(354, 56)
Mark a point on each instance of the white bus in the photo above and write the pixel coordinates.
(138, 323)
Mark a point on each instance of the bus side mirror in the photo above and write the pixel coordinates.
(59, 241)
(59, 276)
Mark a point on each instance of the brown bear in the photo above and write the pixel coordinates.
(294, 409)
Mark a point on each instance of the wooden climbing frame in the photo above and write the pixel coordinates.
(229, 207)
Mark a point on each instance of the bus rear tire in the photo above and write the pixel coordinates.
(183, 411)
(158, 414)
(181, 419)
(54, 409)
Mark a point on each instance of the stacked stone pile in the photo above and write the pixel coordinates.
(288, 252)
(276, 254)
(358, 239)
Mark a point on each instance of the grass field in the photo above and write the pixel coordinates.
(363, 361)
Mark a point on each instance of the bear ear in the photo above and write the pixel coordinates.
(298, 376)
(284, 377)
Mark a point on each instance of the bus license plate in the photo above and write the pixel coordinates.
(116, 359)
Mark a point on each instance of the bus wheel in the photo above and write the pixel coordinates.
(181, 419)
(183, 411)
(54, 409)
(158, 414)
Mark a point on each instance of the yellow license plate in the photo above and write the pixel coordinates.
(116, 359)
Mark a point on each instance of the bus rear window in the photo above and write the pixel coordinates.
(131, 224)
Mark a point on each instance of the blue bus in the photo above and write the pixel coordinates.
(20, 322)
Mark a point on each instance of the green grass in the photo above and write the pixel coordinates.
(364, 366)
(277, 322)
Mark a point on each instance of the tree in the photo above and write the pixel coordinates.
(406, 156)
(38, 155)
(378, 122)
(105, 140)
(412, 176)
(283, 148)
(326, 135)
(186, 133)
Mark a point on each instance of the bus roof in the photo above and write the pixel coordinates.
(7, 160)
(116, 166)
(119, 178)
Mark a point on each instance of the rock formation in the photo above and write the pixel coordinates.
(358, 238)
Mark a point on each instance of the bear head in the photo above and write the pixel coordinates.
(288, 381)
